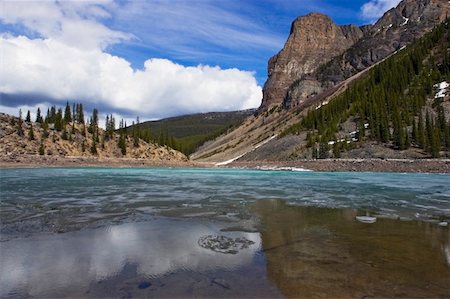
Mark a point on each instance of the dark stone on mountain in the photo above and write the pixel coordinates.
(320, 54)
(314, 40)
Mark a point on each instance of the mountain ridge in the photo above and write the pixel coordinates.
(274, 118)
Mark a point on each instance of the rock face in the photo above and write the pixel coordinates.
(314, 39)
(397, 28)
(319, 54)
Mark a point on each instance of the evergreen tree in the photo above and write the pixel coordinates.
(58, 120)
(64, 135)
(323, 150)
(47, 117)
(67, 114)
(39, 118)
(42, 148)
(435, 143)
(94, 148)
(415, 132)
(421, 133)
(429, 131)
(31, 132)
(80, 114)
(19, 124)
(52, 116)
(28, 118)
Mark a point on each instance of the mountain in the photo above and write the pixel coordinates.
(342, 51)
(300, 83)
(20, 139)
(313, 40)
(186, 133)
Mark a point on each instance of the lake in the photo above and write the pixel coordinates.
(119, 232)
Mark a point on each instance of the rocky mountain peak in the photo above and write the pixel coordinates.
(314, 39)
(320, 54)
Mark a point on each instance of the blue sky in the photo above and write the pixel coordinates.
(154, 58)
(259, 29)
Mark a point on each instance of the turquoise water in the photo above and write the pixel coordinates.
(84, 195)
(113, 232)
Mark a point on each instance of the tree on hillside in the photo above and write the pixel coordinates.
(19, 124)
(42, 148)
(31, 133)
(67, 114)
(58, 120)
(122, 143)
(28, 117)
(39, 118)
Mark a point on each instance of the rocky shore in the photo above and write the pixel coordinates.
(32, 161)
(325, 165)
(355, 165)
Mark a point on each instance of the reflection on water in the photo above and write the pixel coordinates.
(298, 252)
(314, 252)
(161, 256)
(149, 233)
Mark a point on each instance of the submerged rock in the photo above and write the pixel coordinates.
(224, 244)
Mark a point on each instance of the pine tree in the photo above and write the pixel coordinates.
(415, 132)
(28, 118)
(39, 118)
(42, 148)
(435, 143)
(59, 121)
(421, 133)
(31, 133)
(323, 150)
(67, 114)
(19, 124)
(429, 131)
(64, 135)
(94, 148)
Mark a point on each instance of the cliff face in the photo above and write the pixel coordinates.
(397, 28)
(314, 39)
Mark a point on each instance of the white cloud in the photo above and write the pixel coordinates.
(161, 88)
(374, 9)
(67, 61)
(73, 22)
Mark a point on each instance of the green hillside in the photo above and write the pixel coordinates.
(186, 133)
(395, 103)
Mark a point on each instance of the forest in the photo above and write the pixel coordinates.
(395, 103)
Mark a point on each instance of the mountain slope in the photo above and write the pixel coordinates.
(186, 133)
(275, 119)
(17, 141)
(338, 52)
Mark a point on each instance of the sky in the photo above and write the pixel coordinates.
(152, 59)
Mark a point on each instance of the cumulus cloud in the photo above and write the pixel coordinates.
(374, 9)
(161, 88)
(66, 59)
(73, 22)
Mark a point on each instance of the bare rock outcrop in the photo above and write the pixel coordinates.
(314, 40)
(397, 28)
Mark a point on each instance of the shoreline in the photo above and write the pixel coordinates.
(354, 165)
(326, 165)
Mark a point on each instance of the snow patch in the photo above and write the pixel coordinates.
(322, 104)
(274, 168)
(240, 156)
(405, 22)
(441, 89)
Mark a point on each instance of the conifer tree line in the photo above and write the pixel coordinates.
(72, 119)
(391, 99)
